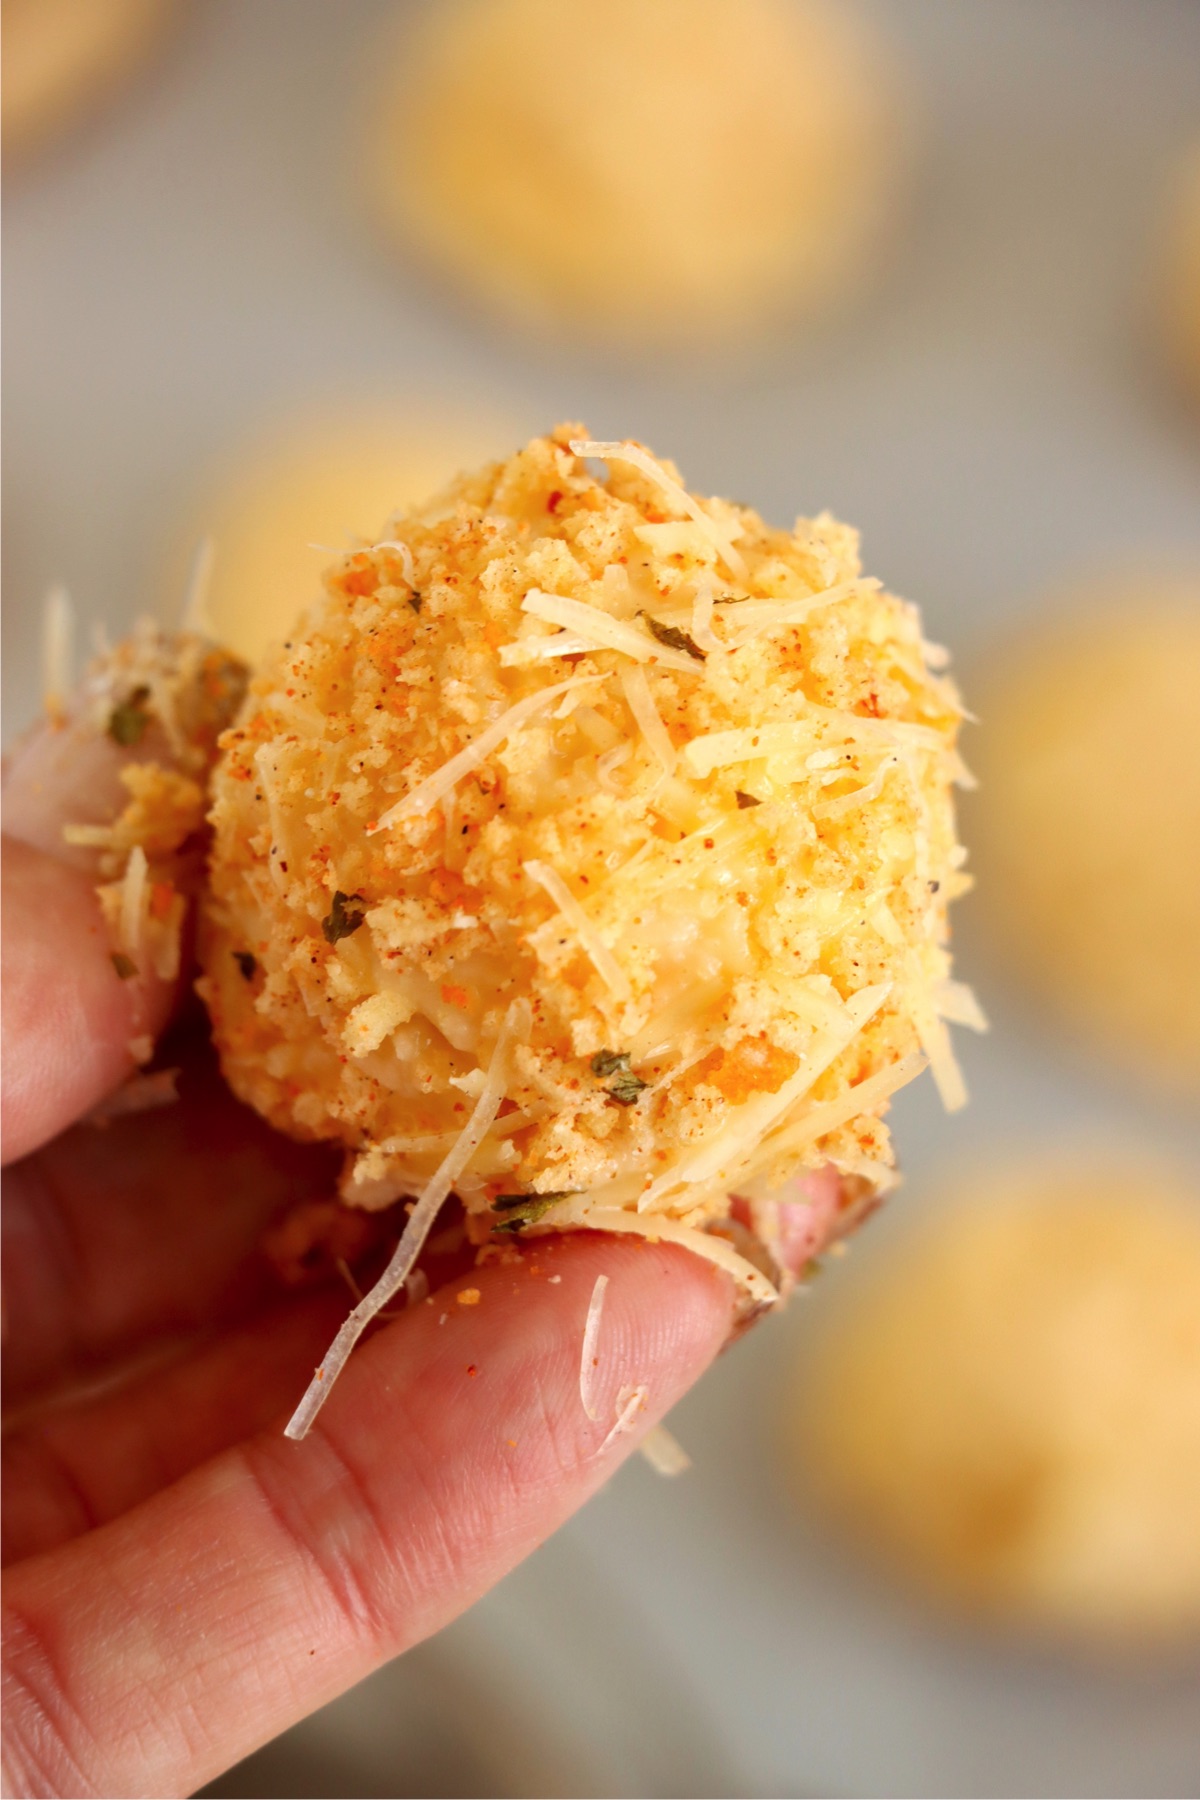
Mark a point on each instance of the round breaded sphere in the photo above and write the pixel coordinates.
(598, 837)
(666, 174)
(1088, 818)
(1008, 1409)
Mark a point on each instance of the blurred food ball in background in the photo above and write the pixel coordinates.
(674, 173)
(1008, 1410)
(1086, 826)
(1181, 272)
(61, 57)
(318, 482)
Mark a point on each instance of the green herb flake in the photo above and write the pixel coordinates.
(124, 965)
(626, 1086)
(343, 919)
(673, 638)
(521, 1210)
(745, 800)
(246, 963)
(414, 600)
(128, 721)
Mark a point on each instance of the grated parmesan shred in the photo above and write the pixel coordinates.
(665, 1454)
(603, 632)
(640, 701)
(658, 1227)
(757, 618)
(703, 602)
(719, 1157)
(630, 1402)
(588, 1359)
(195, 614)
(404, 553)
(58, 643)
(955, 1002)
(606, 964)
(412, 1238)
(425, 796)
(133, 903)
(935, 1042)
(674, 490)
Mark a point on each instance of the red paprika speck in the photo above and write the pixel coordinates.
(554, 500)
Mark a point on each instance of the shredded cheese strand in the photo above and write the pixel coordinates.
(630, 1402)
(665, 1454)
(603, 632)
(859, 796)
(412, 1238)
(721, 1154)
(539, 649)
(640, 701)
(827, 1115)
(404, 553)
(133, 896)
(757, 617)
(422, 798)
(955, 1001)
(606, 964)
(58, 640)
(703, 635)
(641, 459)
(194, 615)
(588, 1360)
(656, 1226)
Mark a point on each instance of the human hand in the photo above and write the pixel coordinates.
(182, 1582)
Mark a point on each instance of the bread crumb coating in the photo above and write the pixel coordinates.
(609, 821)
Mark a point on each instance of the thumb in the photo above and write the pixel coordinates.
(125, 766)
(69, 1024)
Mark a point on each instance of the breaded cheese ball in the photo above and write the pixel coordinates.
(275, 507)
(666, 174)
(128, 755)
(1008, 1411)
(1088, 819)
(61, 55)
(593, 837)
(1180, 297)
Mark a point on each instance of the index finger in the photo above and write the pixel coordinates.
(152, 1654)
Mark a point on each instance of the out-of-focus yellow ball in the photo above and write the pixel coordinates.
(275, 510)
(1087, 824)
(59, 55)
(1009, 1410)
(675, 172)
(1181, 277)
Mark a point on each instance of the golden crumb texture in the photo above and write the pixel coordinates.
(598, 830)
(160, 700)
